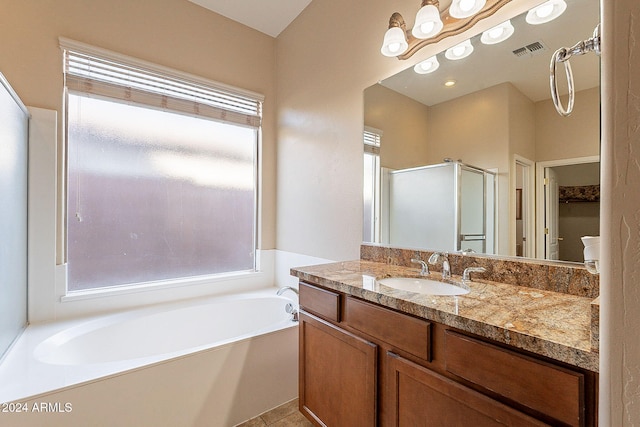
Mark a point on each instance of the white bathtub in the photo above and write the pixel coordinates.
(215, 361)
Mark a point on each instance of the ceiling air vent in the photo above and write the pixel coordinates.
(521, 52)
(530, 49)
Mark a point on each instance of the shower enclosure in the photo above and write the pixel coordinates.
(447, 207)
(14, 124)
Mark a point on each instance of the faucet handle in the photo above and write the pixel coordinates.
(466, 275)
(425, 268)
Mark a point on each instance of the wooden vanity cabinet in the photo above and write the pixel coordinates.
(362, 364)
(337, 369)
(337, 375)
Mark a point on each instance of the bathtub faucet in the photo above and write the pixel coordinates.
(287, 288)
(289, 308)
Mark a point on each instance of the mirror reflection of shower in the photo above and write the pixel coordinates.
(448, 207)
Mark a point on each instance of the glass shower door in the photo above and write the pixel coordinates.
(14, 123)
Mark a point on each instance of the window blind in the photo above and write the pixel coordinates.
(372, 140)
(95, 75)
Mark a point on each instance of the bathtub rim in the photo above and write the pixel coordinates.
(22, 389)
(96, 323)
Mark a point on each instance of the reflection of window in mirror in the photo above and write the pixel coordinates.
(370, 223)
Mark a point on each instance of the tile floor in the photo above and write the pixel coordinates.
(286, 415)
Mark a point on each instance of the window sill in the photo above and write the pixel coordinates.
(157, 285)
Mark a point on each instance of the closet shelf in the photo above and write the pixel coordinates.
(579, 193)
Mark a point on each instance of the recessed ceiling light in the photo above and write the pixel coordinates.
(450, 83)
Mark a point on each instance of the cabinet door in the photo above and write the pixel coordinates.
(337, 375)
(418, 396)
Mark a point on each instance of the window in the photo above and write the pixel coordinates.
(370, 223)
(162, 174)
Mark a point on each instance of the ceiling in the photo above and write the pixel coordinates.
(268, 16)
(490, 65)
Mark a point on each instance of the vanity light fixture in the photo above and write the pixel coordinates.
(459, 51)
(433, 25)
(428, 22)
(465, 8)
(395, 41)
(546, 12)
(427, 66)
(498, 34)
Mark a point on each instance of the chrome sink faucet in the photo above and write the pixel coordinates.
(425, 268)
(466, 275)
(444, 258)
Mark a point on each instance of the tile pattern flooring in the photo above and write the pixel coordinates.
(286, 415)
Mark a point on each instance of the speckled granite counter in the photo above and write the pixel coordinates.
(551, 324)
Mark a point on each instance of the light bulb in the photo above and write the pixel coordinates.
(466, 5)
(459, 51)
(546, 12)
(427, 27)
(450, 83)
(427, 66)
(498, 33)
(394, 42)
(465, 8)
(428, 22)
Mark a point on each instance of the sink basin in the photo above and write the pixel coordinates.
(423, 286)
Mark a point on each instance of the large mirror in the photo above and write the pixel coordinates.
(486, 164)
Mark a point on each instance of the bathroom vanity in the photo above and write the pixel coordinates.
(503, 354)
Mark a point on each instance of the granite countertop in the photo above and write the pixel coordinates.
(551, 324)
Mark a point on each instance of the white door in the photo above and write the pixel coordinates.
(551, 197)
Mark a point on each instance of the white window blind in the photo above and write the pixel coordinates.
(372, 139)
(118, 78)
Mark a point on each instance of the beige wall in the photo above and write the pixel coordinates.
(172, 33)
(522, 125)
(577, 135)
(473, 128)
(404, 123)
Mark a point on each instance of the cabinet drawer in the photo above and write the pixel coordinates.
(417, 394)
(404, 332)
(541, 386)
(320, 302)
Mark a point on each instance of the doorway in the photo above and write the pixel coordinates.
(568, 199)
(522, 223)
